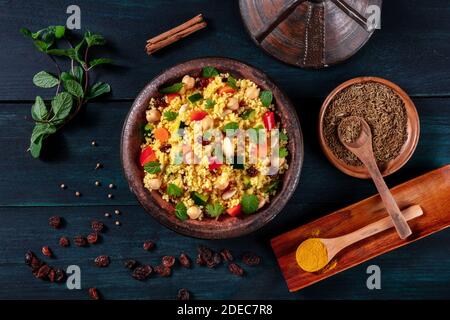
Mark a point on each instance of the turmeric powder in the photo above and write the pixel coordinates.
(312, 255)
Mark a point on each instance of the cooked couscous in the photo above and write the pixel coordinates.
(213, 146)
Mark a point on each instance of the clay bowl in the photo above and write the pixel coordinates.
(413, 129)
(226, 226)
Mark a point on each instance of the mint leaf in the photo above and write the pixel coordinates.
(266, 98)
(181, 211)
(248, 114)
(41, 45)
(152, 167)
(174, 191)
(39, 110)
(195, 97)
(26, 32)
(40, 132)
(283, 153)
(99, 61)
(61, 106)
(232, 82)
(249, 203)
(98, 89)
(209, 72)
(271, 187)
(93, 39)
(67, 76)
(176, 87)
(209, 103)
(43, 79)
(74, 88)
(214, 210)
(170, 115)
(78, 73)
(60, 31)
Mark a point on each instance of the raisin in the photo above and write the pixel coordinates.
(252, 171)
(163, 271)
(199, 260)
(43, 272)
(64, 242)
(183, 294)
(92, 238)
(251, 259)
(215, 260)
(202, 83)
(29, 255)
(205, 252)
(60, 275)
(160, 102)
(101, 261)
(148, 245)
(97, 226)
(94, 294)
(46, 251)
(184, 260)
(168, 261)
(226, 255)
(165, 147)
(55, 222)
(236, 269)
(142, 272)
(130, 264)
(35, 264)
(80, 241)
(51, 275)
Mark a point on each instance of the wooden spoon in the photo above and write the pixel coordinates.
(362, 148)
(335, 245)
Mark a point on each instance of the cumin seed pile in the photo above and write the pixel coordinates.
(382, 109)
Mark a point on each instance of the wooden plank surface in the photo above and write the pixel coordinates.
(412, 51)
(436, 217)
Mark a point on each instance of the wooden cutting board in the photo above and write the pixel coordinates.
(431, 191)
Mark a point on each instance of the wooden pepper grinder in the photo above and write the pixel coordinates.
(308, 33)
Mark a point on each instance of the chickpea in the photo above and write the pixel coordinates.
(188, 82)
(153, 116)
(252, 92)
(154, 184)
(194, 212)
(183, 108)
(207, 123)
(227, 147)
(221, 183)
(233, 103)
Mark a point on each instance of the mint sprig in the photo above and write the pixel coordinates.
(73, 87)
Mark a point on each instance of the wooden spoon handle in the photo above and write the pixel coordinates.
(377, 227)
(392, 208)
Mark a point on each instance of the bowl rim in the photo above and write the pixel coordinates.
(408, 148)
(232, 227)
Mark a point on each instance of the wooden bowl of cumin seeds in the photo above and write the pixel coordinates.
(390, 113)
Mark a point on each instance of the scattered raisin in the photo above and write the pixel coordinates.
(215, 260)
(165, 147)
(226, 255)
(148, 245)
(97, 226)
(168, 261)
(51, 275)
(43, 272)
(130, 264)
(199, 260)
(64, 242)
(80, 241)
(101, 261)
(142, 272)
(55, 222)
(94, 294)
(29, 255)
(92, 238)
(60, 275)
(251, 259)
(236, 269)
(163, 271)
(184, 260)
(252, 171)
(183, 294)
(46, 251)
(35, 263)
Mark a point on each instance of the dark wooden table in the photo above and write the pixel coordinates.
(412, 49)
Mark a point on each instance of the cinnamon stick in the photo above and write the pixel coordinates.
(183, 30)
